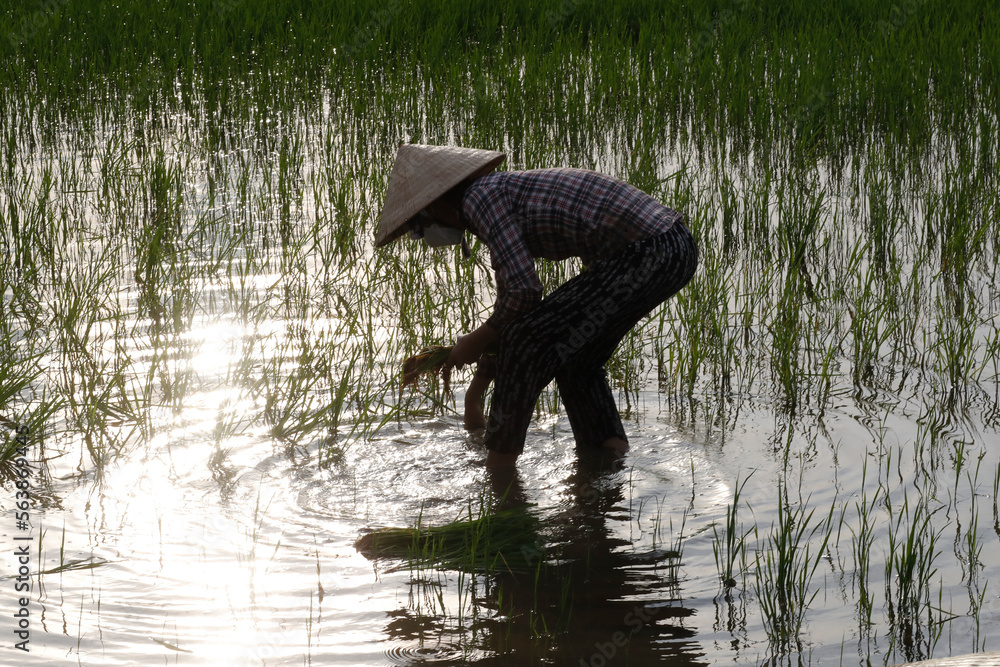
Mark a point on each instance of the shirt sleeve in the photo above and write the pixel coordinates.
(518, 288)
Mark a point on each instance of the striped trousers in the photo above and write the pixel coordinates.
(573, 332)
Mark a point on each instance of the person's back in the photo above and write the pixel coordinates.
(566, 212)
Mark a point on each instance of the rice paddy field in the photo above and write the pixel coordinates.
(207, 452)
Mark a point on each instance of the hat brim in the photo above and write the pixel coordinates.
(423, 173)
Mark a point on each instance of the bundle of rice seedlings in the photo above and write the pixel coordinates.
(428, 362)
(507, 540)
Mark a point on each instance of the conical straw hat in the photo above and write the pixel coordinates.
(423, 173)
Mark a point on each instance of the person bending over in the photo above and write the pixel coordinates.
(636, 252)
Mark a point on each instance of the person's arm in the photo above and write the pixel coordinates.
(474, 344)
(486, 370)
(492, 219)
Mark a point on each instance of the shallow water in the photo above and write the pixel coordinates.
(193, 534)
(250, 560)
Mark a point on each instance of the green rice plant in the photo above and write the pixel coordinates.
(885, 216)
(871, 327)
(909, 569)
(624, 371)
(731, 546)
(484, 541)
(9, 446)
(864, 538)
(170, 362)
(964, 218)
(340, 393)
(673, 555)
(799, 216)
(93, 376)
(971, 559)
(293, 405)
(550, 581)
(159, 244)
(87, 563)
(996, 501)
(229, 421)
(249, 304)
(786, 331)
(785, 568)
(680, 360)
(956, 347)
(714, 338)
(23, 404)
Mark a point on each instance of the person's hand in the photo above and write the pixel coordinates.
(470, 347)
(465, 351)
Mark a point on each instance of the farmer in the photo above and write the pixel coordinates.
(636, 252)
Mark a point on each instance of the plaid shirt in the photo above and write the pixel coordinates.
(554, 214)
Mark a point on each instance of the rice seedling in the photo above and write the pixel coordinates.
(864, 538)
(546, 580)
(484, 541)
(731, 546)
(23, 409)
(76, 564)
(785, 568)
(428, 362)
(970, 553)
(914, 622)
(996, 501)
(290, 398)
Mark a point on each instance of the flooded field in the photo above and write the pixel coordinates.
(201, 348)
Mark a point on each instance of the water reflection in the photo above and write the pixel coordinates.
(592, 599)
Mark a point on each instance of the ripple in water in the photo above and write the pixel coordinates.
(418, 655)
